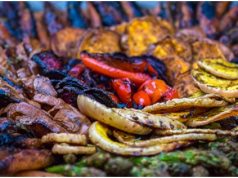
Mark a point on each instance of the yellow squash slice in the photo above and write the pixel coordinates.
(209, 83)
(220, 68)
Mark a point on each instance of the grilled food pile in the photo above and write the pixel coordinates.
(116, 90)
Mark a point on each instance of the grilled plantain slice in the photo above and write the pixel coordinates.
(213, 115)
(209, 83)
(182, 104)
(220, 68)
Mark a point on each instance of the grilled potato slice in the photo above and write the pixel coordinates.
(209, 83)
(100, 41)
(220, 68)
(66, 42)
(182, 104)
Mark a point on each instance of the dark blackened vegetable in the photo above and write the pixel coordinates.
(47, 61)
(6, 98)
(6, 139)
(100, 96)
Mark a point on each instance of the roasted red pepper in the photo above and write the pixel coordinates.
(141, 98)
(114, 98)
(155, 89)
(171, 94)
(123, 89)
(102, 68)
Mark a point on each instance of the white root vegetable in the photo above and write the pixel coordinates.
(68, 149)
(65, 138)
(99, 135)
(109, 116)
(129, 140)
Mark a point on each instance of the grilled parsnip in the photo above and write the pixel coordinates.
(209, 83)
(220, 68)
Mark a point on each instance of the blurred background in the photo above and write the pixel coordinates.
(217, 20)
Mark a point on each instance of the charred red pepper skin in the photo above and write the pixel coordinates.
(155, 89)
(141, 98)
(114, 98)
(170, 94)
(76, 70)
(123, 89)
(102, 68)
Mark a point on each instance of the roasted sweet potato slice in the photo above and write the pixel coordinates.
(171, 47)
(66, 42)
(100, 41)
(144, 32)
